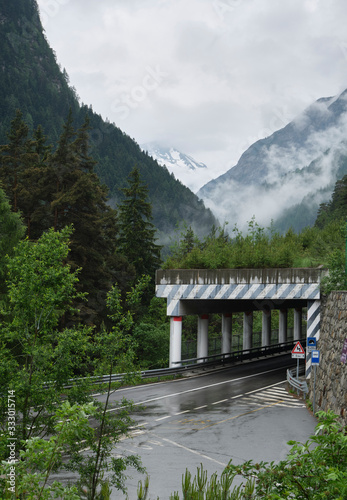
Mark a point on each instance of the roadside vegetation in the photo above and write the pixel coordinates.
(323, 245)
(258, 248)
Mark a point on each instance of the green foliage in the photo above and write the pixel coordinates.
(337, 278)
(153, 344)
(336, 208)
(11, 231)
(137, 233)
(258, 248)
(58, 189)
(42, 457)
(152, 336)
(16, 156)
(34, 352)
(40, 287)
(115, 351)
(37, 360)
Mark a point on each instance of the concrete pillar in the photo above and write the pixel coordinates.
(202, 347)
(297, 324)
(247, 330)
(175, 340)
(283, 322)
(226, 332)
(266, 328)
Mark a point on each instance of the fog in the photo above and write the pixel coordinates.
(294, 170)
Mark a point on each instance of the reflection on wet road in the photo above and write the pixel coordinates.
(241, 413)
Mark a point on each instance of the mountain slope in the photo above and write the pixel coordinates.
(32, 81)
(295, 167)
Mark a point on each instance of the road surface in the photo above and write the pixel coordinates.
(240, 413)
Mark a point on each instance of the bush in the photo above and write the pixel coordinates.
(153, 344)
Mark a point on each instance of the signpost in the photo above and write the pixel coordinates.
(311, 344)
(298, 353)
(315, 358)
(315, 362)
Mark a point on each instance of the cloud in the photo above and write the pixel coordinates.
(291, 171)
(236, 70)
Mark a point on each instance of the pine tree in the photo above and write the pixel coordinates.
(15, 158)
(81, 201)
(36, 194)
(40, 186)
(336, 208)
(12, 230)
(137, 233)
(25, 175)
(59, 189)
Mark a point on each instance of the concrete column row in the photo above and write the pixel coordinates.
(202, 339)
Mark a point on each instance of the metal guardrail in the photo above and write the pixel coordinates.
(119, 377)
(241, 355)
(193, 364)
(300, 385)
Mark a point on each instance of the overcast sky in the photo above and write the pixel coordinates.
(208, 77)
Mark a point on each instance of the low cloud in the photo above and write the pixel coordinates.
(294, 172)
(236, 70)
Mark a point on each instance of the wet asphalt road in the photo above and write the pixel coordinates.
(239, 413)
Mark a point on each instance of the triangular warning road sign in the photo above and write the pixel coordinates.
(298, 349)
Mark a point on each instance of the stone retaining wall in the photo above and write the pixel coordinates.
(331, 374)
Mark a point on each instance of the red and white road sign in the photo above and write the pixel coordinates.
(298, 351)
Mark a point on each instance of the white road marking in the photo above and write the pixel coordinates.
(213, 385)
(263, 388)
(194, 451)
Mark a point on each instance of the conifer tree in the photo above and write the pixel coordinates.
(58, 189)
(81, 201)
(40, 186)
(36, 194)
(15, 158)
(12, 230)
(26, 176)
(137, 233)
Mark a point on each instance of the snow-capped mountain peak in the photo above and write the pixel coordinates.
(189, 171)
